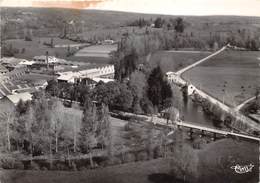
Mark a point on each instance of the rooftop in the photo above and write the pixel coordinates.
(21, 96)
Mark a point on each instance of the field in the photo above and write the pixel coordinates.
(174, 60)
(36, 47)
(231, 76)
(96, 51)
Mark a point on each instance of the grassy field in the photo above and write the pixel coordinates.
(96, 51)
(37, 48)
(231, 76)
(174, 61)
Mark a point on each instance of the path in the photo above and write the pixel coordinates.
(200, 61)
(239, 107)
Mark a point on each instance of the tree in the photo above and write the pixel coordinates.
(29, 128)
(106, 93)
(7, 119)
(52, 88)
(158, 88)
(125, 99)
(104, 129)
(179, 27)
(87, 138)
(56, 122)
(137, 85)
(158, 23)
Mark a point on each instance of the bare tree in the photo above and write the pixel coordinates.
(57, 120)
(7, 119)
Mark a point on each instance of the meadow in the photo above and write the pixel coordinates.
(174, 60)
(36, 47)
(96, 51)
(232, 76)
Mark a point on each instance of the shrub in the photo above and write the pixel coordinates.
(61, 166)
(129, 157)
(44, 168)
(18, 165)
(7, 163)
(157, 152)
(34, 166)
(142, 156)
(127, 127)
(199, 143)
(74, 166)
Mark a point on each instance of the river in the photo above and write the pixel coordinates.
(190, 111)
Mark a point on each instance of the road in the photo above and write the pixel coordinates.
(239, 107)
(223, 132)
(200, 61)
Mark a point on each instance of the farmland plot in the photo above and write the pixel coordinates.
(232, 76)
(175, 60)
(96, 51)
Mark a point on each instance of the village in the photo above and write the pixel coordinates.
(20, 77)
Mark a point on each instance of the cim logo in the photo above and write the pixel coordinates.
(243, 169)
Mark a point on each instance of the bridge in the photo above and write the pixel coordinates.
(214, 131)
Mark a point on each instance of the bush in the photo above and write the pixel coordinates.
(7, 163)
(44, 168)
(199, 143)
(127, 126)
(74, 166)
(157, 152)
(34, 166)
(128, 158)
(18, 165)
(142, 156)
(113, 161)
(61, 166)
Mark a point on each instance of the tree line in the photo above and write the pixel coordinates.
(142, 93)
(176, 24)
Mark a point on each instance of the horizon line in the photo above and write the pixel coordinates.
(132, 12)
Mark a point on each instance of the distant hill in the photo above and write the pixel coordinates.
(47, 21)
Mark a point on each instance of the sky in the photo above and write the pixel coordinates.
(172, 7)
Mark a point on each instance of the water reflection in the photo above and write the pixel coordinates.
(189, 110)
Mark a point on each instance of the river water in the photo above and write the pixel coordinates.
(190, 111)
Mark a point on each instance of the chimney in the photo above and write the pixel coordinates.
(47, 59)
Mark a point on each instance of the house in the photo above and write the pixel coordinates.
(170, 76)
(68, 77)
(91, 72)
(45, 59)
(105, 80)
(3, 70)
(11, 63)
(40, 84)
(15, 98)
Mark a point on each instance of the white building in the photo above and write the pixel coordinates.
(172, 77)
(14, 99)
(43, 59)
(104, 72)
